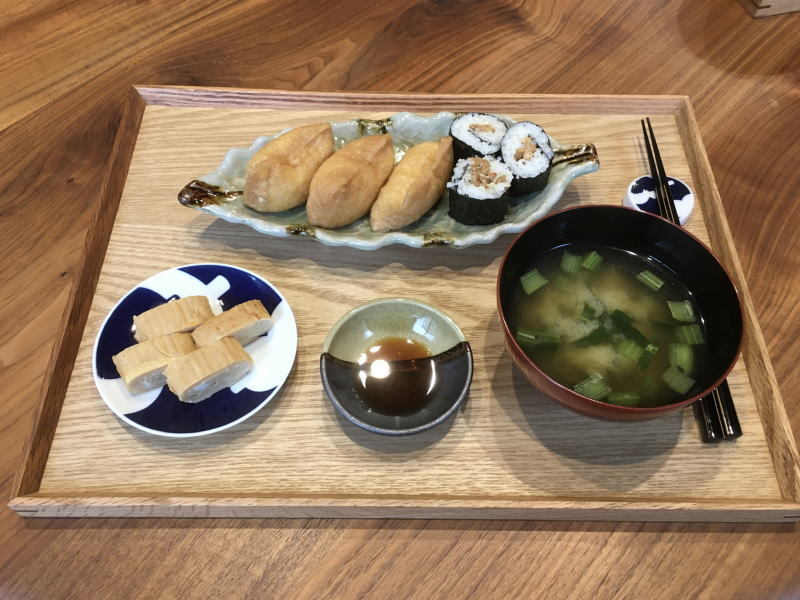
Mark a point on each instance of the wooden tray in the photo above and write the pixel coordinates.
(768, 8)
(509, 454)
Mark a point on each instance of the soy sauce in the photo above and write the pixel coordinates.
(395, 376)
(381, 389)
(394, 348)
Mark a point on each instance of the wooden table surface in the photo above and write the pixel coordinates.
(66, 68)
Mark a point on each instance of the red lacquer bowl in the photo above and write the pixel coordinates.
(647, 235)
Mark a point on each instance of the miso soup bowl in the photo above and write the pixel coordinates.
(647, 235)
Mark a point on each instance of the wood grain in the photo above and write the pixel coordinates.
(361, 507)
(760, 371)
(74, 318)
(62, 102)
(488, 453)
(211, 97)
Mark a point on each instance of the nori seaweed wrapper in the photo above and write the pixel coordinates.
(464, 150)
(471, 211)
(528, 185)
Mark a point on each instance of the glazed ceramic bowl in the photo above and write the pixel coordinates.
(449, 369)
(649, 236)
(219, 192)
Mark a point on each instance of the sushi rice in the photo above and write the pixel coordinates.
(468, 180)
(479, 191)
(527, 152)
(477, 134)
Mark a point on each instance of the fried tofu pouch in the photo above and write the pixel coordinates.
(278, 176)
(414, 186)
(346, 185)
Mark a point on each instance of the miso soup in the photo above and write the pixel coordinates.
(610, 324)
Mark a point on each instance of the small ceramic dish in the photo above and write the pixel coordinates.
(413, 394)
(641, 195)
(159, 411)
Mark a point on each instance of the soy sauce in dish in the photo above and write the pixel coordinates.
(395, 376)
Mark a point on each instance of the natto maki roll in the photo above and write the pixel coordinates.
(477, 134)
(527, 152)
(479, 191)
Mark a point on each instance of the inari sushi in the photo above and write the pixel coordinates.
(477, 134)
(479, 191)
(414, 186)
(345, 186)
(279, 175)
(527, 151)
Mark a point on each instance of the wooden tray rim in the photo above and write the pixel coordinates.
(28, 502)
(422, 508)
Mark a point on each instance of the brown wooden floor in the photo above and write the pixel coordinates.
(65, 69)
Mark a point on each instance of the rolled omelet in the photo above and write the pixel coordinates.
(245, 322)
(200, 374)
(346, 185)
(178, 316)
(414, 186)
(279, 175)
(141, 366)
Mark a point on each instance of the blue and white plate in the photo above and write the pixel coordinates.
(159, 411)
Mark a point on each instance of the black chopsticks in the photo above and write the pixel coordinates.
(715, 413)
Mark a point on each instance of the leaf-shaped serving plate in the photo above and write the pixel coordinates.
(220, 192)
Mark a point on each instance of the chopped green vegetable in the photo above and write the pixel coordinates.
(532, 281)
(588, 313)
(651, 280)
(630, 349)
(623, 398)
(677, 380)
(591, 261)
(636, 335)
(690, 334)
(682, 356)
(599, 335)
(682, 311)
(648, 355)
(536, 338)
(621, 319)
(570, 263)
(671, 324)
(595, 387)
(624, 324)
